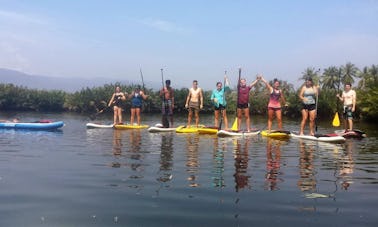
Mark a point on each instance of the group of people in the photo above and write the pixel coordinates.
(308, 94)
(136, 97)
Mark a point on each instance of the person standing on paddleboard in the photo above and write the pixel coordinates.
(348, 97)
(137, 97)
(116, 102)
(274, 106)
(243, 102)
(168, 103)
(308, 94)
(219, 101)
(194, 103)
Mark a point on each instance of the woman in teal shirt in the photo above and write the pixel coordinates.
(219, 101)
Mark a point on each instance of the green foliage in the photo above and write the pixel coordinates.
(91, 100)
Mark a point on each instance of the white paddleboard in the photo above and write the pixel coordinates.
(160, 128)
(95, 125)
(323, 138)
(224, 133)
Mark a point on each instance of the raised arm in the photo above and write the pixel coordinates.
(266, 84)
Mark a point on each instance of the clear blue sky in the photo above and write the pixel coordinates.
(188, 39)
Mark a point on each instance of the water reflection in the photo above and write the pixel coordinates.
(273, 163)
(166, 158)
(307, 178)
(134, 151)
(117, 142)
(218, 162)
(346, 163)
(241, 158)
(192, 163)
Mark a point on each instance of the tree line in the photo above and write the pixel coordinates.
(91, 100)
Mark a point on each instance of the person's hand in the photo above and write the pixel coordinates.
(215, 100)
(337, 95)
(186, 106)
(201, 106)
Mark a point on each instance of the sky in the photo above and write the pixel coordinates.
(194, 39)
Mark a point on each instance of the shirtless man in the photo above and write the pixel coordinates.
(168, 103)
(348, 98)
(194, 102)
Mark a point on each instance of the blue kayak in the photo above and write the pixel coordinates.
(32, 125)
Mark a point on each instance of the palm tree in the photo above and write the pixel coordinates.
(363, 75)
(331, 78)
(311, 73)
(349, 72)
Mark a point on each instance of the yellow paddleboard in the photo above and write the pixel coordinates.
(130, 126)
(276, 134)
(184, 129)
(207, 130)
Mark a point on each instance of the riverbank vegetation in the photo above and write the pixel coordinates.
(92, 100)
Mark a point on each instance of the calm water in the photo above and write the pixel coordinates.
(80, 177)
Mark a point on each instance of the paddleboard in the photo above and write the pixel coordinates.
(159, 128)
(224, 133)
(184, 129)
(281, 134)
(97, 125)
(208, 130)
(130, 126)
(351, 134)
(32, 125)
(320, 137)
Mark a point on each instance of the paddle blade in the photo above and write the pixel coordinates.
(336, 120)
(235, 125)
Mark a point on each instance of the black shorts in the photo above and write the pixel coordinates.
(243, 105)
(220, 107)
(309, 107)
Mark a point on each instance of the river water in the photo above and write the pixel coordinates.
(80, 177)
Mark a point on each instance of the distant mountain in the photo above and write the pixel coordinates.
(56, 83)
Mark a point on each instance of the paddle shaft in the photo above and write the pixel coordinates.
(141, 75)
(316, 110)
(164, 119)
(237, 99)
(221, 111)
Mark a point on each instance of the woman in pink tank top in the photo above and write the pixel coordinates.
(274, 105)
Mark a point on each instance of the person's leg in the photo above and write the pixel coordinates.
(119, 115)
(115, 115)
(137, 112)
(132, 114)
(270, 118)
(312, 115)
(247, 119)
(225, 119)
(189, 117)
(303, 122)
(216, 118)
(279, 118)
(239, 114)
(196, 112)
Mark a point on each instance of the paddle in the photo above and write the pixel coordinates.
(336, 119)
(224, 94)
(165, 121)
(94, 116)
(316, 110)
(235, 124)
(144, 90)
